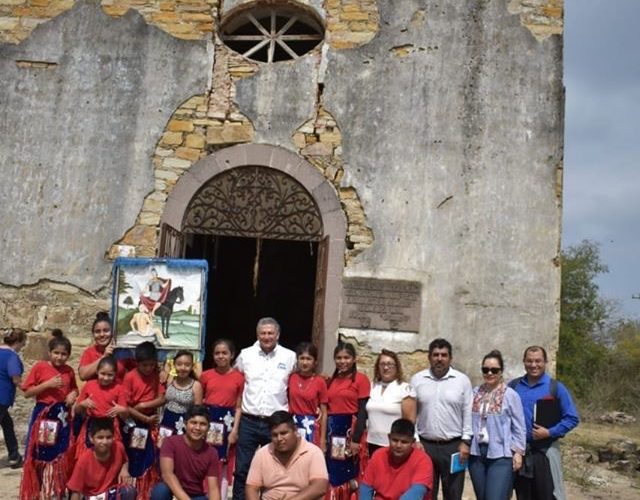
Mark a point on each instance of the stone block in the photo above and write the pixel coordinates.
(188, 153)
(172, 138)
(318, 149)
(196, 141)
(166, 175)
(230, 133)
(354, 16)
(176, 163)
(139, 235)
(153, 206)
(163, 153)
(8, 23)
(180, 126)
(150, 219)
(331, 137)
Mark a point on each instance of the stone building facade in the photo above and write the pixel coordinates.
(398, 181)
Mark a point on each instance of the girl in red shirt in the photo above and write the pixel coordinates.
(308, 396)
(102, 347)
(348, 392)
(223, 386)
(145, 394)
(100, 398)
(49, 453)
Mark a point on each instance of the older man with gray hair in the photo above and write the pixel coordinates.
(266, 366)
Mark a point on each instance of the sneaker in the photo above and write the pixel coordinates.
(16, 463)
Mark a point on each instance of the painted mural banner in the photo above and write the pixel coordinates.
(159, 300)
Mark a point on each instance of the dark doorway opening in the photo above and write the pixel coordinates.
(250, 279)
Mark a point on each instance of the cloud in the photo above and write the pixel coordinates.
(602, 139)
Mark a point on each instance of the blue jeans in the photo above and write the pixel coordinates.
(492, 478)
(252, 433)
(162, 492)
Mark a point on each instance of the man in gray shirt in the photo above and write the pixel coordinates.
(444, 417)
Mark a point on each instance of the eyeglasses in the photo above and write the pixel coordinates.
(389, 364)
(494, 371)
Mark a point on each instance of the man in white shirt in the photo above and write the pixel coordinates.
(266, 366)
(444, 417)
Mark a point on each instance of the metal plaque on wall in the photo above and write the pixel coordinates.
(378, 304)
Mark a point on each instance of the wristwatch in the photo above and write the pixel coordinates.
(467, 442)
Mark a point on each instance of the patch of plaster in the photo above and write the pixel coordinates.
(542, 18)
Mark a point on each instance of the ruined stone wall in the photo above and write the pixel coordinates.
(438, 125)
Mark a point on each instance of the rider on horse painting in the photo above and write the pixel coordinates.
(155, 292)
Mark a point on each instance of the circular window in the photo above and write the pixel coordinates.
(271, 34)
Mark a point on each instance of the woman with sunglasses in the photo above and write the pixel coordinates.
(499, 440)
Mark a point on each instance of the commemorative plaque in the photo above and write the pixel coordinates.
(377, 304)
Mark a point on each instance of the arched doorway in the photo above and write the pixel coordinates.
(273, 231)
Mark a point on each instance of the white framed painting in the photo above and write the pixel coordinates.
(159, 300)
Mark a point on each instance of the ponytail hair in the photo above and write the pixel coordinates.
(100, 317)
(59, 340)
(12, 336)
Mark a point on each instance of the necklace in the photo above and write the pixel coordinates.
(304, 387)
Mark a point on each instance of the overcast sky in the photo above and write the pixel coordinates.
(602, 139)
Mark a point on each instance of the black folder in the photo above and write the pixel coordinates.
(546, 412)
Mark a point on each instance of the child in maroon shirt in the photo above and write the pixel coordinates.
(189, 466)
(103, 469)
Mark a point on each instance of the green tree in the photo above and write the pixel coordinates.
(583, 316)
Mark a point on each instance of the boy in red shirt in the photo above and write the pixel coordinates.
(145, 394)
(100, 470)
(398, 471)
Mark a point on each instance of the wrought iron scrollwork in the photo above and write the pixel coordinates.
(255, 202)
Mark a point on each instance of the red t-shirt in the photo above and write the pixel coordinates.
(191, 467)
(92, 354)
(343, 393)
(222, 389)
(390, 481)
(306, 394)
(92, 477)
(103, 397)
(43, 371)
(142, 388)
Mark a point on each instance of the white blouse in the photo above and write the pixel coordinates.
(384, 408)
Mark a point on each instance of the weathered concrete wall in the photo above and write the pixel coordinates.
(84, 101)
(438, 125)
(452, 133)
(280, 97)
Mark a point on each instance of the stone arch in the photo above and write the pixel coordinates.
(323, 193)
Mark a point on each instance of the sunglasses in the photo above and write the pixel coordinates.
(494, 371)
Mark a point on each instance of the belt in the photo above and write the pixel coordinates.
(441, 441)
(257, 418)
